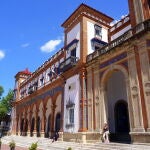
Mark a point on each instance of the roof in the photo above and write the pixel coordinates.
(85, 8)
(24, 72)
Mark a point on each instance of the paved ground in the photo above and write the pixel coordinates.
(46, 144)
(6, 147)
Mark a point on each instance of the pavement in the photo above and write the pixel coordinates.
(6, 147)
(23, 143)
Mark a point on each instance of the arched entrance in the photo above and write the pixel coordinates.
(116, 105)
(26, 127)
(121, 117)
(21, 127)
(57, 122)
(32, 126)
(38, 126)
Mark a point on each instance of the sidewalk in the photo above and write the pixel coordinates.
(6, 147)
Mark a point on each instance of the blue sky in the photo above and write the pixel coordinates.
(30, 31)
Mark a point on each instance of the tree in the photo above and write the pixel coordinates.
(7, 100)
(1, 91)
(5, 104)
(3, 112)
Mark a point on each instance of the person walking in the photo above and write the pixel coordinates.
(105, 133)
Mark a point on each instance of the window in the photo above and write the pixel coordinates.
(98, 31)
(71, 115)
(42, 81)
(73, 52)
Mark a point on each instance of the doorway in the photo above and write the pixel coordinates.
(121, 117)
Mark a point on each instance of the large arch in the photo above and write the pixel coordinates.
(114, 85)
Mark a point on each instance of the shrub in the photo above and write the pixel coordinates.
(12, 144)
(69, 148)
(33, 146)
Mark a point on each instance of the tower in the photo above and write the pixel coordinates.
(139, 11)
(19, 78)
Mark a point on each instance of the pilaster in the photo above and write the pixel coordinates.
(83, 102)
(138, 125)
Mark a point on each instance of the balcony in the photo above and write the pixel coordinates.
(68, 63)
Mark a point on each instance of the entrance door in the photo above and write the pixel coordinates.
(121, 117)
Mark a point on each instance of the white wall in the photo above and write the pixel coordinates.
(74, 34)
(120, 32)
(74, 94)
(91, 35)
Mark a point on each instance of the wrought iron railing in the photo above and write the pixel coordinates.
(68, 63)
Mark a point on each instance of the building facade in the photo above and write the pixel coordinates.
(101, 74)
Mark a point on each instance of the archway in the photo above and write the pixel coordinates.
(38, 126)
(26, 127)
(32, 126)
(114, 83)
(21, 127)
(57, 122)
(121, 117)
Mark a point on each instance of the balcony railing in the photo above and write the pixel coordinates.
(144, 26)
(68, 63)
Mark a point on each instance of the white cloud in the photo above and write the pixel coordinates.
(25, 45)
(2, 54)
(50, 45)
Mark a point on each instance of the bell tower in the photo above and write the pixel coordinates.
(139, 11)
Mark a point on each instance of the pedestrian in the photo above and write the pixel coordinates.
(105, 135)
(55, 137)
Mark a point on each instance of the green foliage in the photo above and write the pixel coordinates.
(12, 144)
(7, 100)
(6, 104)
(33, 146)
(3, 112)
(69, 148)
(1, 91)
(0, 142)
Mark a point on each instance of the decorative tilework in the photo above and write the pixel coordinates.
(115, 59)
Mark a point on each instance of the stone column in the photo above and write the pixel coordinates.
(62, 112)
(53, 119)
(83, 102)
(35, 123)
(29, 123)
(24, 126)
(43, 122)
(130, 105)
(90, 99)
(145, 69)
(96, 96)
(138, 125)
(103, 107)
